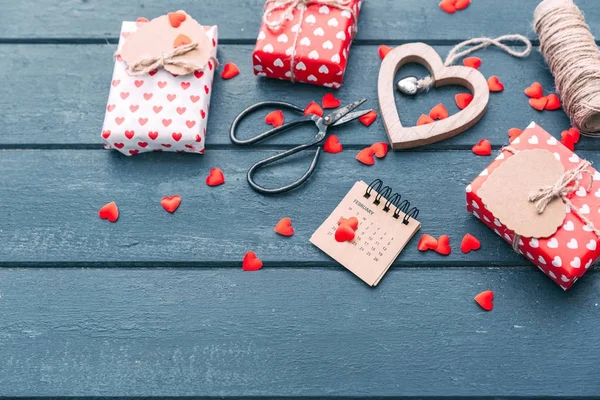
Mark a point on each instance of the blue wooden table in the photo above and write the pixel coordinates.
(157, 304)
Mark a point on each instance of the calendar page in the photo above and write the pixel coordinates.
(378, 240)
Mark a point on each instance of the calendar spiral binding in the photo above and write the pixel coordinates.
(395, 200)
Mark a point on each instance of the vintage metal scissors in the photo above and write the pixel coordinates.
(338, 117)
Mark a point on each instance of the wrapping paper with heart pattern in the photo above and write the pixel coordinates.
(158, 111)
(324, 39)
(569, 253)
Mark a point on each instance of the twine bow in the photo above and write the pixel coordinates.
(150, 64)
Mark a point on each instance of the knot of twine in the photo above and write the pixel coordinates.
(572, 55)
(288, 6)
(150, 64)
(472, 45)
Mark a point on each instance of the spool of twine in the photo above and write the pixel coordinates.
(573, 57)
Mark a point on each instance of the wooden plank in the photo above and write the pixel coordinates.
(295, 333)
(49, 201)
(68, 109)
(389, 20)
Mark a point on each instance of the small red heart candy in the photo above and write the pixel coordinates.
(110, 212)
(171, 203)
(284, 227)
(215, 177)
(176, 19)
(313, 108)
(553, 103)
(380, 149)
(181, 40)
(332, 145)
(251, 262)
(230, 70)
(514, 133)
(424, 120)
(365, 156)
(448, 6)
(485, 300)
(438, 112)
(473, 62)
(469, 243)
(494, 84)
(462, 4)
(572, 134)
(535, 91)
(330, 101)
(427, 242)
(463, 100)
(383, 51)
(344, 233)
(275, 118)
(352, 222)
(539, 104)
(483, 148)
(443, 245)
(368, 118)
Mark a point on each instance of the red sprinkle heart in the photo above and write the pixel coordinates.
(539, 104)
(553, 103)
(383, 51)
(494, 84)
(284, 227)
(365, 156)
(443, 246)
(368, 118)
(427, 242)
(215, 177)
(352, 222)
(332, 145)
(572, 134)
(110, 212)
(462, 4)
(424, 120)
(344, 233)
(463, 100)
(483, 148)
(513, 133)
(535, 91)
(171, 203)
(438, 112)
(380, 149)
(230, 70)
(313, 108)
(485, 300)
(176, 19)
(473, 62)
(181, 40)
(275, 118)
(448, 6)
(251, 262)
(330, 101)
(469, 243)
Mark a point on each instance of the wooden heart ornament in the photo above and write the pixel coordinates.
(407, 137)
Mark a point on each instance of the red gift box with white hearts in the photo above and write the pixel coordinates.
(158, 111)
(569, 245)
(310, 44)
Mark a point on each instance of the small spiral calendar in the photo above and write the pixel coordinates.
(386, 223)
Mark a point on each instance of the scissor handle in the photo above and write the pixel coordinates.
(261, 189)
(272, 132)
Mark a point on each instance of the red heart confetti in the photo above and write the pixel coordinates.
(539, 104)
(313, 108)
(427, 242)
(251, 262)
(443, 245)
(171, 203)
(573, 134)
(284, 227)
(463, 100)
(483, 148)
(215, 177)
(448, 6)
(462, 4)
(332, 145)
(110, 212)
(352, 222)
(344, 233)
(365, 156)
(494, 84)
(424, 120)
(438, 112)
(275, 118)
(469, 243)
(473, 62)
(553, 103)
(485, 300)
(230, 70)
(380, 149)
(181, 40)
(368, 118)
(176, 19)
(513, 133)
(535, 91)
(383, 51)
(330, 101)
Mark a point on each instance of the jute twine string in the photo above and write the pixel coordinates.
(472, 45)
(565, 185)
(288, 6)
(573, 57)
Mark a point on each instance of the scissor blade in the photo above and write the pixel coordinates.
(340, 112)
(351, 117)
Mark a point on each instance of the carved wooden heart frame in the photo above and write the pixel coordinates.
(407, 137)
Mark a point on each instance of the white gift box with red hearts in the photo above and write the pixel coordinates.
(572, 249)
(158, 111)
